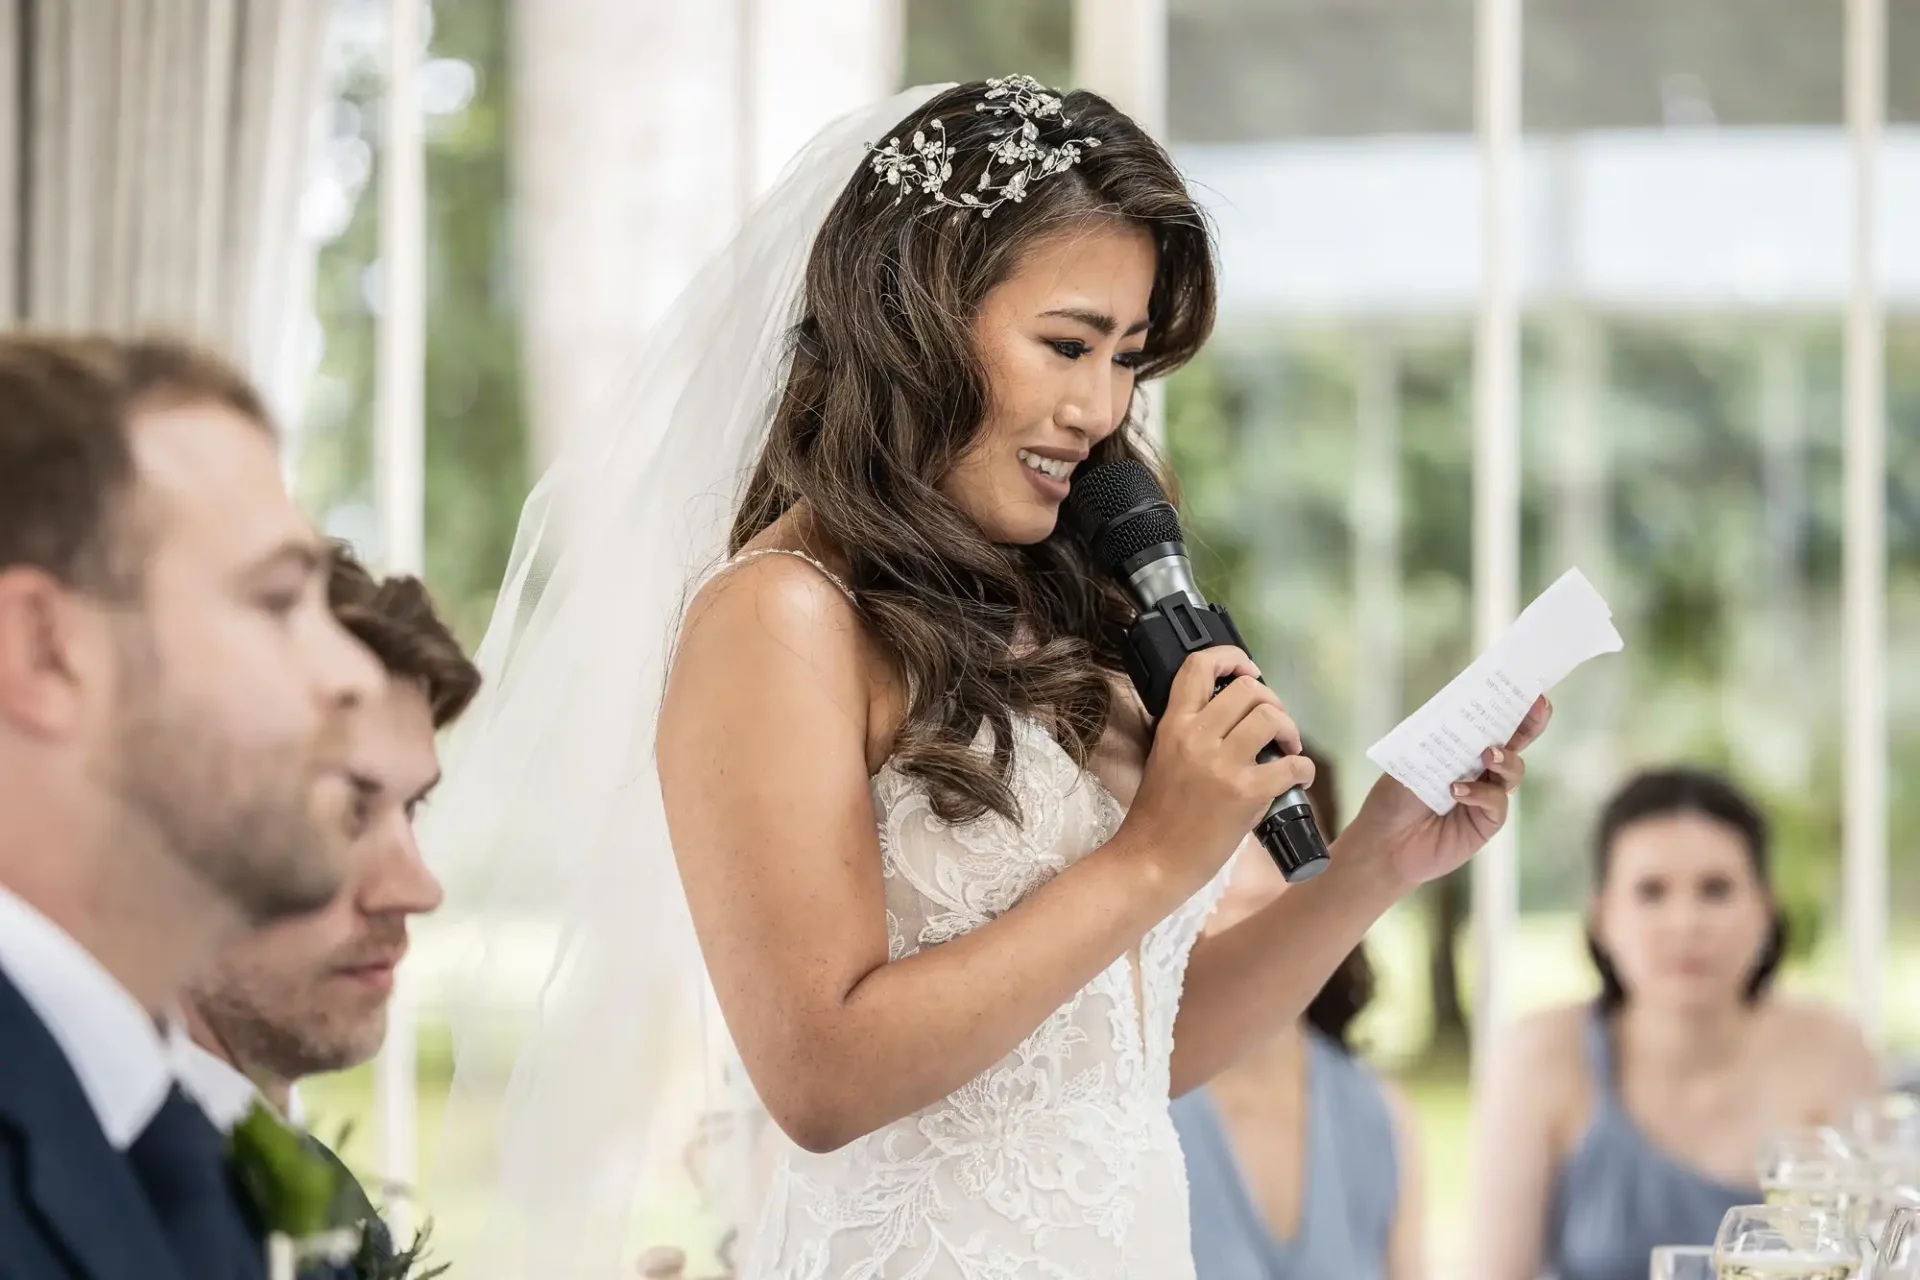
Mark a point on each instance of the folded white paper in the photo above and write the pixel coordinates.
(1441, 743)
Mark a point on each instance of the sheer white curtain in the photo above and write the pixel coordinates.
(152, 154)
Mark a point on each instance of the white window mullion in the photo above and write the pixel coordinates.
(1120, 53)
(1496, 460)
(400, 486)
(1864, 547)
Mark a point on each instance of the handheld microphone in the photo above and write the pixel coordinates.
(1134, 533)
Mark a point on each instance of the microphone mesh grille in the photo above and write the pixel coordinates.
(1111, 489)
(1130, 537)
(1098, 508)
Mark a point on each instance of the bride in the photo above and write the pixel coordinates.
(947, 885)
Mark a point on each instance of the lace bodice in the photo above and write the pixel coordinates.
(1060, 1161)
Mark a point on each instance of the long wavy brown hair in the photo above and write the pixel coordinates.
(886, 391)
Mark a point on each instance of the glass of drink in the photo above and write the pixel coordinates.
(1786, 1242)
(1896, 1249)
(1803, 1155)
(1681, 1262)
(1818, 1169)
(1895, 1196)
(1887, 1127)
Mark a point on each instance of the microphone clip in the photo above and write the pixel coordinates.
(1161, 639)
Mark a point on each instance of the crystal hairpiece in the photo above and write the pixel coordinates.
(926, 162)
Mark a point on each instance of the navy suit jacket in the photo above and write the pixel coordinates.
(70, 1205)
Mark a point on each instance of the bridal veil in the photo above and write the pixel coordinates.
(591, 1069)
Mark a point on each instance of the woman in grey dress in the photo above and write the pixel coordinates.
(1615, 1125)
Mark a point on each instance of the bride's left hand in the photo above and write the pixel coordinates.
(1420, 845)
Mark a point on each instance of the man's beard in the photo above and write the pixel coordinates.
(298, 1022)
(273, 1031)
(240, 817)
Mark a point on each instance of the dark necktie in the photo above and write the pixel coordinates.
(180, 1161)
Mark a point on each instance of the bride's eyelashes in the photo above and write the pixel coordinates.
(1073, 349)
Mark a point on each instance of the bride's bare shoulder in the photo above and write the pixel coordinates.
(773, 596)
(777, 621)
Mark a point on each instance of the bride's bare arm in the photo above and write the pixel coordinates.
(1247, 982)
(763, 761)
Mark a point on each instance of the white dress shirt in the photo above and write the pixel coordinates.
(124, 1062)
(222, 1090)
(225, 1092)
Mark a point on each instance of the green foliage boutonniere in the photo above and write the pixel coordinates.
(293, 1193)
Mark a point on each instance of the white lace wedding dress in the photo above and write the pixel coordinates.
(1059, 1162)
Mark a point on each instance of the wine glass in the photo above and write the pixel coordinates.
(1894, 1198)
(1818, 1169)
(1795, 1154)
(1786, 1242)
(1681, 1262)
(1896, 1249)
(1887, 1126)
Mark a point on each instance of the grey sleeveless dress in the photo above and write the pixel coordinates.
(1351, 1191)
(1618, 1196)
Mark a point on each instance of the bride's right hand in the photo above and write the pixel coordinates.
(1202, 791)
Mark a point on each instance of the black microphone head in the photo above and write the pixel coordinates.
(1121, 510)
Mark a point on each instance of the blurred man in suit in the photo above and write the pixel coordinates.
(309, 995)
(175, 707)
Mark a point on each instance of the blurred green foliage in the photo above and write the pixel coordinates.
(476, 426)
(1719, 669)
(973, 39)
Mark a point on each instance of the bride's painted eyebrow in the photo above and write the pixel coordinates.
(1103, 323)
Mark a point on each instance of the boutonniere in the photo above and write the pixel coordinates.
(293, 1193)
(371, 1263)
(377, 1258)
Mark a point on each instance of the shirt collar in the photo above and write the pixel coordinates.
(223, 1091)
(120, 1056)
